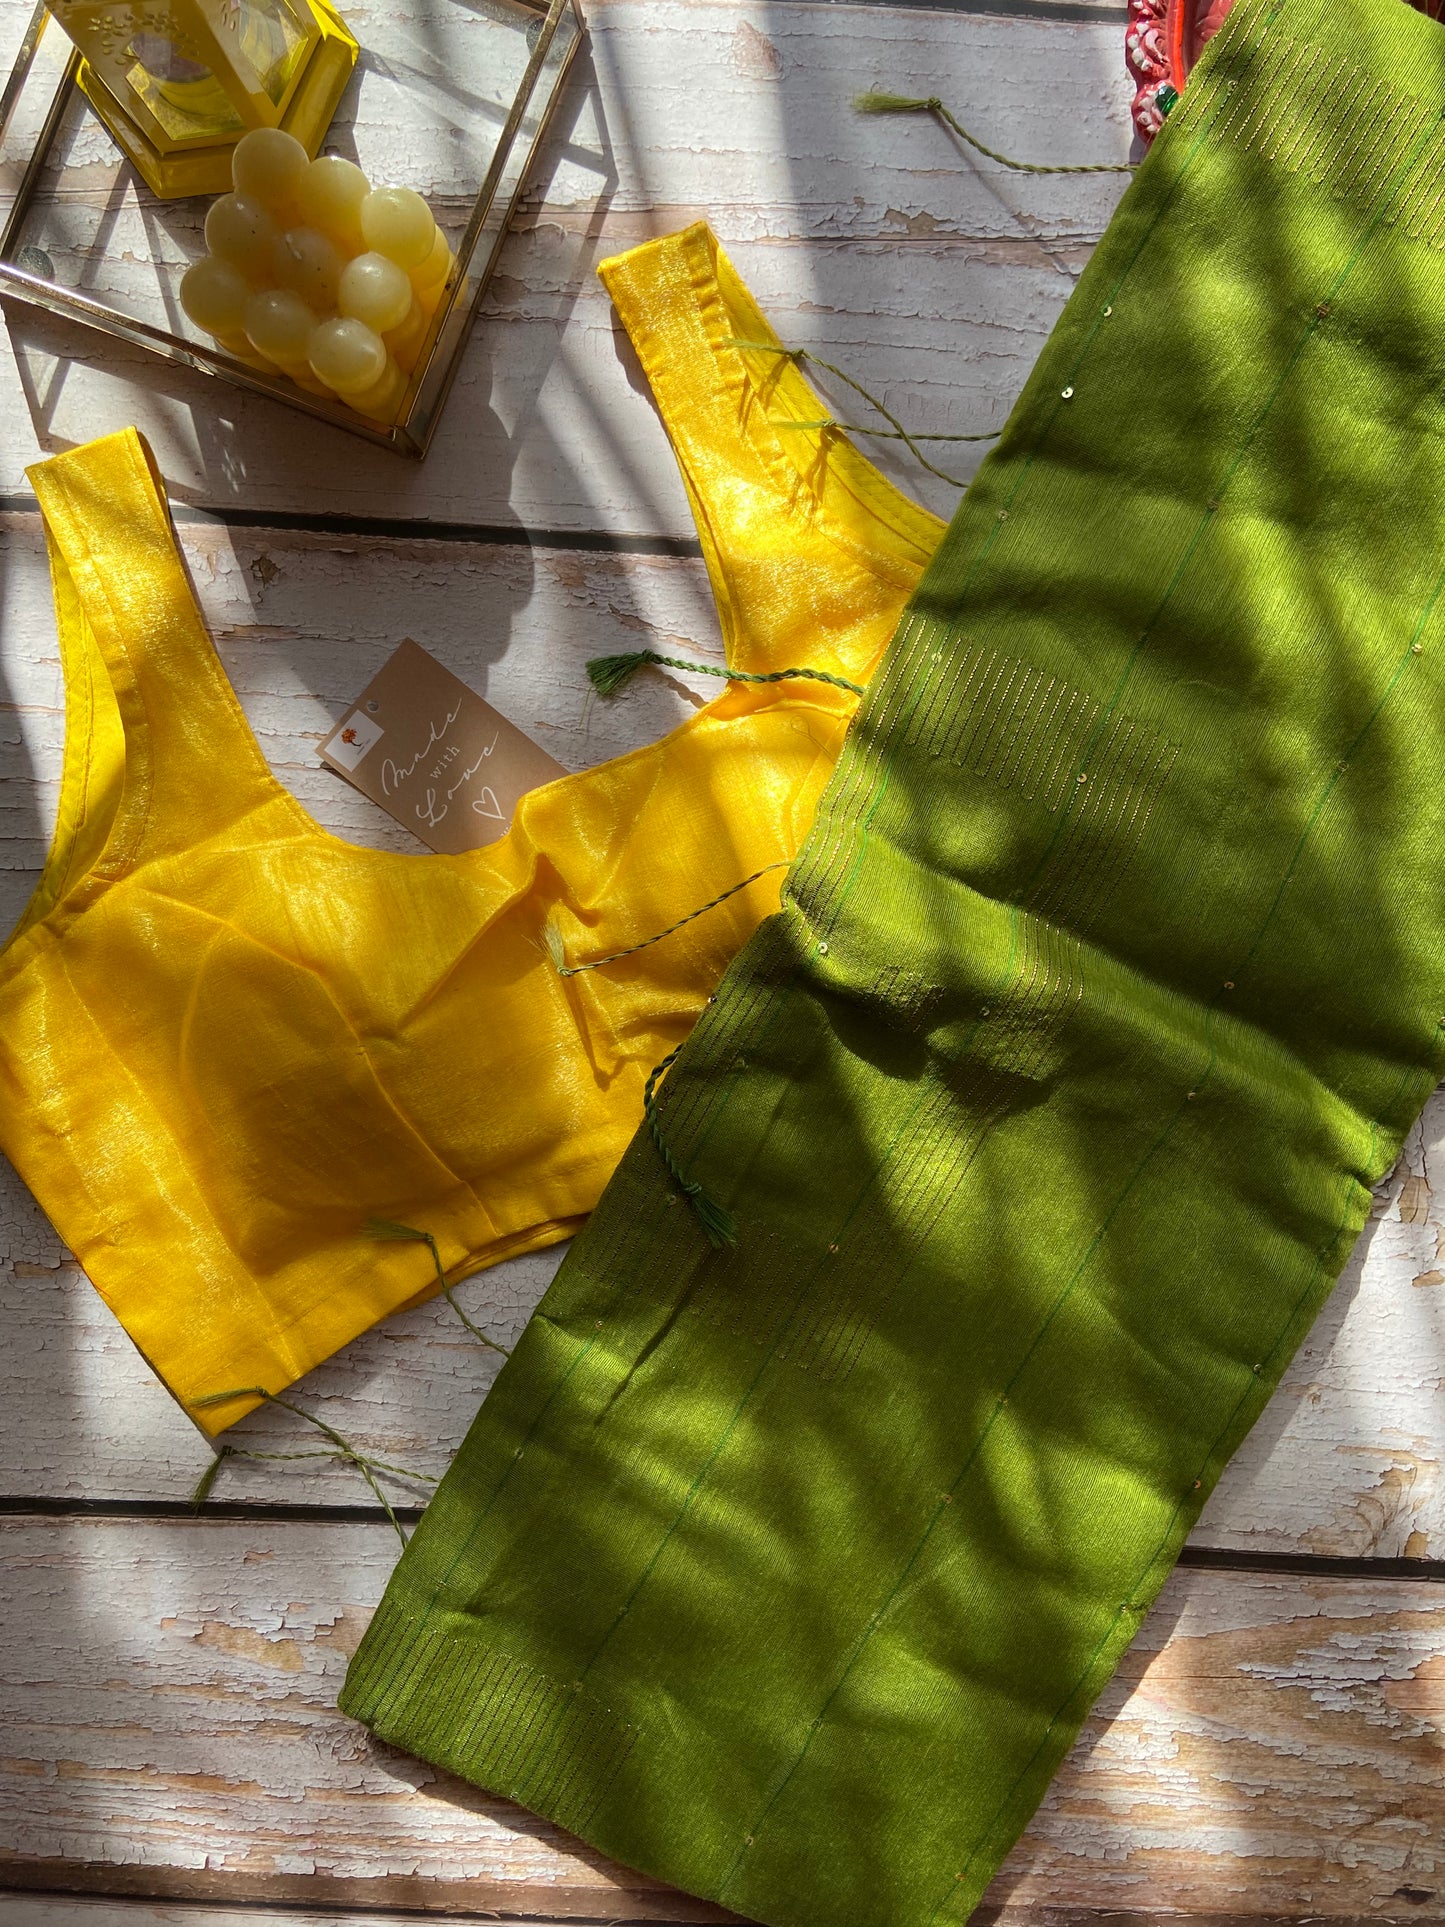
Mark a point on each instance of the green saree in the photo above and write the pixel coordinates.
(1048, 1107)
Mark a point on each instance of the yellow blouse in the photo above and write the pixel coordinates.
(229, 1038)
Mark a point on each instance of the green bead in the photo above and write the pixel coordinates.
(1166, 99)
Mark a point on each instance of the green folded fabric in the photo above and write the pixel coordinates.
(1048, 1108)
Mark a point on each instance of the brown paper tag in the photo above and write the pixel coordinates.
(444, 763)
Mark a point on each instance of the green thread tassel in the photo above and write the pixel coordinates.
(894, 104)
(210, 1475)
(556, 950)
(609, 674)
(384, 1228)
(717, 1222)
(911, 104)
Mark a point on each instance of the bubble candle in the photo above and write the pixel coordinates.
(279, 325)
(314, 272)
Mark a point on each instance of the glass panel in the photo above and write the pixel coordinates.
(427, 107)
(489, 225)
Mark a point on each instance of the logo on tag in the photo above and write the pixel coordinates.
(347, 745)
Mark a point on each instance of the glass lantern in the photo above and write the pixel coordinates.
(178, 82)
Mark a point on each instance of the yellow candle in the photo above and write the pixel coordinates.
(240, 231)
(266, 166)
(347, 355)
(405, 342)
(278, 326)
(397, 222)
(375, 290)
(310, 264)
(239, 347)
(329, 192)
(214, 294)
(314, 272)
(430, 278)
(381, 401)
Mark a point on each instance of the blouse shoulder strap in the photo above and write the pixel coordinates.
(130, 624)
(812, 553)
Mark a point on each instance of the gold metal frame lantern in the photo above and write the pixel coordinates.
(178, 82)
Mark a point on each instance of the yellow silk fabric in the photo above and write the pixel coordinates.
(228, 1038)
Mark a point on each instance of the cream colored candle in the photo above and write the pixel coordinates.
(315, 273)
(398, 223)
(266, 166)
(382, 400)
(310, 264)
(347, 355)
(405, 341)
(375, 290)
(241, 231)
(436, 267)
(329, 192)
(214, 295)
(279, 325)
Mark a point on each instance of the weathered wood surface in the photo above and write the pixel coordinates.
(1269, 1746)
(869, 240)
(1347, 1461)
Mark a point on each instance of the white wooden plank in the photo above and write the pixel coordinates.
(933, 278)
(1270, 1746)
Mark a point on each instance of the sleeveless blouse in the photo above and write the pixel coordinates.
(229, 1038)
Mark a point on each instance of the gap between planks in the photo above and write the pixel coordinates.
(45, 1907)
(1304, 1565)
(377, 528)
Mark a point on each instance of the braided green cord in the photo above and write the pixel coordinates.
(749, 675)
(381, 1465)
(596, 963)
(405, 1233)
(719, 1224)
(907, 104)
(899, 432)
(607, 681)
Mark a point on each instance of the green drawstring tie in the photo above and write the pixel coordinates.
(909, 104)
(895, 432)
(342, 1449)
(608, 674)
(404, 1233)
(552, 936)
